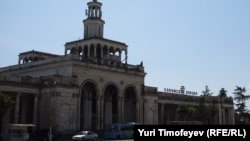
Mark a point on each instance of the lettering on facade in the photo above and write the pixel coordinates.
(180, 91)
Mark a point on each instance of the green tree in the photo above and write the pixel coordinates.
(186, 112)
(207, 92)
(241, 111)
(205, 111)
(223, 93)
(201, 112)
(6, 102)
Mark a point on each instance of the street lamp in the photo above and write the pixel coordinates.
(50, 83)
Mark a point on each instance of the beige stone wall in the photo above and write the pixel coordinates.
(104, 76)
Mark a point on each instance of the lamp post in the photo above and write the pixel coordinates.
(50, 134)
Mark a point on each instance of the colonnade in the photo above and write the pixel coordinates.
(20, 110)
(104, 114)
(99, 52)
(168, 112)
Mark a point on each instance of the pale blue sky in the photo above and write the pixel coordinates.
(193, 43)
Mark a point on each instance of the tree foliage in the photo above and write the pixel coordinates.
(223, 92)
(201, 112)
(205, 111)
(207, 92)
(6, 102)
(186, 112)
(241, 111)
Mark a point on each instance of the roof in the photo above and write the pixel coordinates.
(104, 39)
(37, 52)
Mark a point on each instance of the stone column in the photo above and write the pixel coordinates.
(88, 51)
(75, 108)
(89, 113)
(223, 116)
(101, 52)
(101, 112)
(79, 117)
(156, 113)
(108, 54)
(98, 119)
(232, 115)
(85, 112)
(35, 110)
(120, 53)
(161, 110)
(122, 109)
(95, 46)
(219, 111)
(139, 105)
(126, 60)
(55, 108)
(101, 55)
(110, 112)
(95, 12)
(138, 110)
(23, 108)
(17, 106)
(106, 111)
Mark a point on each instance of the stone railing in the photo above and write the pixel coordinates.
(19, 79)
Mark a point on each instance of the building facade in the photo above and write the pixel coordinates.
(91, 85)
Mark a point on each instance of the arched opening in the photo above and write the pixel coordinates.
(123, 56)
(110, 105)
(85, 53)
(88, 106)
(73, 50)
(105, 52)
(117, 55)
(80, 52)
(130, 105)
(92, 50)
(111, 53)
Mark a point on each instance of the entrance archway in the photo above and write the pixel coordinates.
(110, 105)
(88, 118)
(130, 105)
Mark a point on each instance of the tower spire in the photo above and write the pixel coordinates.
(93, 25)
